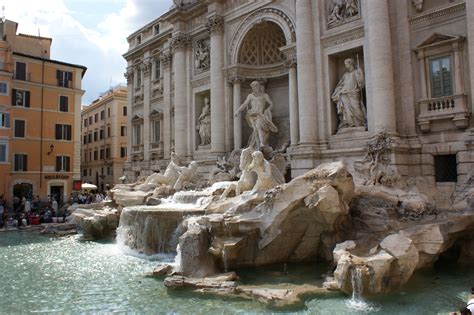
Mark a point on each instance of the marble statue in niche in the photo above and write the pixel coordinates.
(204, 123)
(340, 10)
(259, 116)
(202, 55)
(348, 97)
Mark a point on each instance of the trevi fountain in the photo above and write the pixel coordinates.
(314, 193)
(328, 241)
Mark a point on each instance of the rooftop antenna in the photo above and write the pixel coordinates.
(3, 14)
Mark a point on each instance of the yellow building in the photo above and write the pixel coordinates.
(104, 138)
(40, 112)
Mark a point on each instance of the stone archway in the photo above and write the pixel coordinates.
(259, 54)
(277, 16)
(261, 45)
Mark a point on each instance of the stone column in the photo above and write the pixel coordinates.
(470, 44)
(381, 110)
(293, 101)
(179, 42)
(129, 76)
(423, 85)
(237, 97)
(146, 71)
(165, 59)
(306, 73)
(458, 71)
(215, 25)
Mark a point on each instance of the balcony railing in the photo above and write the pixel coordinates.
(447, 108)
(137, 148)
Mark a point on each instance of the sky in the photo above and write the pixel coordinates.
(92, 33)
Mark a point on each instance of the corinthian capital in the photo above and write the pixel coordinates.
(129, 75)
(146, 67)
(166, 58)
(180, 41)
(215, 23)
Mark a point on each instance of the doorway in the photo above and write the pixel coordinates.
(23, 190)
(57, 193)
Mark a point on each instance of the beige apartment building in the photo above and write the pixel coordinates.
(104, 138)
(339, 73)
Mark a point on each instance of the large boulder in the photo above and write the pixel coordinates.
(96, 224)
(127, 198)
(389, 266)
(298, 221)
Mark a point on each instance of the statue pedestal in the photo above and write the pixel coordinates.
(206, 147)
(350, 130)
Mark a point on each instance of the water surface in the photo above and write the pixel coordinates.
(67, 275)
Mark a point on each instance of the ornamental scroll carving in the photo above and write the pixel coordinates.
(342, 11)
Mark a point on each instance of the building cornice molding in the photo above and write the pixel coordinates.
(343, 37)
(437, 13)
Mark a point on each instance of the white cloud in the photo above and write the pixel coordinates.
(98, 46)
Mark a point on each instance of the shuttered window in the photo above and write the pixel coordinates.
(63, 132)
(62, 163)
(3, 152)
(3, 88)
(123, 151)
(20, 163)
(4, 120)
(441, 77)
(19, 131)
(20, 98)
(20, 71)
(64, 78)
(63, 103)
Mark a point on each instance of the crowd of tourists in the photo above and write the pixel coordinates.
(88, 197)
(31, 211)
(25, 211)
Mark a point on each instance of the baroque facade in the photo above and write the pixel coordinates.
(104, 138)
(40, 114)
(378, 84)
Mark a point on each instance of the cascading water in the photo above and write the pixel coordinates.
(224, 258)
(177, 259)
(357, 280)
(156, 229)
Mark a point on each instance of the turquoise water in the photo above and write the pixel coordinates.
(67, 275)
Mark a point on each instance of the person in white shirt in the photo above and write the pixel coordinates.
(27, 206)
(54, 205)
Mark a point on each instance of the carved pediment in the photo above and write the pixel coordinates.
(137, 118)
(437, 39)
(156, 114)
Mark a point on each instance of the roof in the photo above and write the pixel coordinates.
(34, 36)
(84, 68)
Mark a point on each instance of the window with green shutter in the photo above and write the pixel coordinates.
(441, 77)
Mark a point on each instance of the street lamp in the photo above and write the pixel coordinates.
(51, 148)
